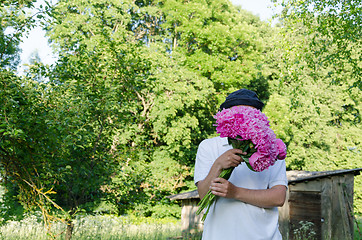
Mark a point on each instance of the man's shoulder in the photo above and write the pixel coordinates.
(214, 141)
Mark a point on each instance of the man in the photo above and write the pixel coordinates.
(248, 201)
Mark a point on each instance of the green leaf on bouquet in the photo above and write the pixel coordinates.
(246, 146)
(246, 160)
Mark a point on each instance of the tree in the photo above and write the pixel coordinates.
(16, 20)
(57, 135)
(333, 24)
(10, 18)
(23, 143)
(189, 54)
(219, 41)
(134, 91)
(15, 95)
(320, 116)
(62, 140)
(168, 84)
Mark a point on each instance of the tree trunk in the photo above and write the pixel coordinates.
(70, 226)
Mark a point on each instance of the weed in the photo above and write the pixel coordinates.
(95, 227)
(305, 232)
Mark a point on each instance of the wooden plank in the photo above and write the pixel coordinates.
(186, 195)
(342, 224)
(311, 186)
(326, 209)
(190, 221)
(305, 206)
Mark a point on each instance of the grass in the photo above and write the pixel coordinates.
(108, 227)
(358, 227)
(95, 227)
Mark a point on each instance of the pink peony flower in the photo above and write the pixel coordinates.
(248, 129)
(245, 123)
(254, 158)
(282, 149)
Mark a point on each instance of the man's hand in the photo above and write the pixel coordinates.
(229, 159)
(226, 160)
(223, 188)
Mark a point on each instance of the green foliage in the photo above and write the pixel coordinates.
(279, 116)
(217, 41)
(305, 231)
(357, 226)
(168, 86)
(18, 118)
(57, 135)
(333, 24)
(113, 126)
(323, 121)
(16, 19)
(10, 208)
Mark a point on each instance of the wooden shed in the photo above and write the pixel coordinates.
(321, 201)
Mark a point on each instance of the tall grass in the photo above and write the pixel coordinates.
(108, 227)
(358, 227)
(95, 227)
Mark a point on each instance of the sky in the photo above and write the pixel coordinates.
(37, 42)
(261, 8)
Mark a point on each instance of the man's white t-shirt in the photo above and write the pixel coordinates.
(230, 219)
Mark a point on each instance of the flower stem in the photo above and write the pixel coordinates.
(209, 198)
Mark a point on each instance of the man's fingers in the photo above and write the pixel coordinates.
(219, 180)
(216, 187)
(239, 151)
(237, 160)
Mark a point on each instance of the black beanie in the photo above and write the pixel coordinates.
(242, 97)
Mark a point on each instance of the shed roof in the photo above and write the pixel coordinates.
(293, 177)
(301, 176)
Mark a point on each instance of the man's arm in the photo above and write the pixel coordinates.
(224, 161)
(265, 198)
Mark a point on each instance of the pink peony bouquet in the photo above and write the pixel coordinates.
(247, 129)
